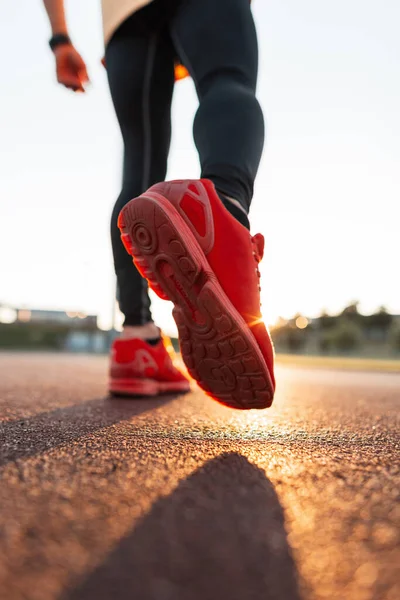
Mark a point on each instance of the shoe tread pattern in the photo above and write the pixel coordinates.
(218, 351)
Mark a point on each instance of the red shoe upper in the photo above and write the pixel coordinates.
(231, 251)
(135, 358)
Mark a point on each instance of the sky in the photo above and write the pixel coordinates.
(327, 197)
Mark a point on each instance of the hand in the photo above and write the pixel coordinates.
(71, 69)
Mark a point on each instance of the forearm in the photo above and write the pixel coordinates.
(56, 13)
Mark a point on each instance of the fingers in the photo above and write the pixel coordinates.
(80, 68)
(83, 74)
(72, 82)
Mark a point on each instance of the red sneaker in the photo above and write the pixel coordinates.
(195, 253)
(140, 369)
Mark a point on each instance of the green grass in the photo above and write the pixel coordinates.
(340, 362)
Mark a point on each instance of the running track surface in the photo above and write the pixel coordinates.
(179, 498)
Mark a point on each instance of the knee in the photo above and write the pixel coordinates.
(227, 80)
(228, 95)
(226, 100)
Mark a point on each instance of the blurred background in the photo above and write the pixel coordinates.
(327, 196)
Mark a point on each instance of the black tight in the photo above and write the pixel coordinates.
(216, 41)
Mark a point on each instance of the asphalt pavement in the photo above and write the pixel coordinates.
(179, 498)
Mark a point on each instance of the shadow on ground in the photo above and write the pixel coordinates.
(47, 430)
(219, 535)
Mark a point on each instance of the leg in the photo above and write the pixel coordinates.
(216, 40)
(140, 67)
(194, 252)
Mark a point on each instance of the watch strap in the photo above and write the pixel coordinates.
(59, 39)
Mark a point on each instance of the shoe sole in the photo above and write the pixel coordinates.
(146, 387)
(217, 346)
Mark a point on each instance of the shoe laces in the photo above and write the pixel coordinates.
(258, 243)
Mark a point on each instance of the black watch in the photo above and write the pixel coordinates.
(59, 39)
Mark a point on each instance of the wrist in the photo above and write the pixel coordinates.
(59, 39)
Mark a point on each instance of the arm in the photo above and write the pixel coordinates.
(56, 13)
(70, 68)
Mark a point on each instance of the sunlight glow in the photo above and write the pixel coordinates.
(301, 322)
(256, 322)
(7, 315)
(24, 315)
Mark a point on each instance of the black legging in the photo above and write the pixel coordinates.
(216, 41)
